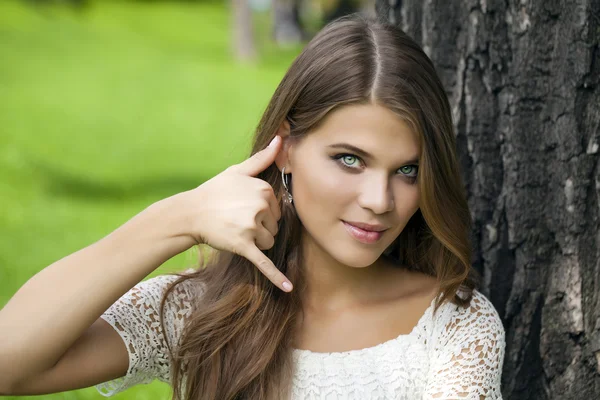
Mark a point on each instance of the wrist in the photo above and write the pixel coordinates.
(171, 217)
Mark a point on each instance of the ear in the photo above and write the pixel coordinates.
(282, 159)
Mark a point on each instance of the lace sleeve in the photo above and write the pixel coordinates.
(466, 362)
(136, 318)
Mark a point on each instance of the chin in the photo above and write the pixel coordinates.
(357, 258)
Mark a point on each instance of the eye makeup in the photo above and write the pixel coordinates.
(355, 164)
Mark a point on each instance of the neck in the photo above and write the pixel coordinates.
(331, 285)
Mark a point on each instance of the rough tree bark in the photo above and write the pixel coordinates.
(522, 77)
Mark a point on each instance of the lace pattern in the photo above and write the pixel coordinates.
(135, 317)
(456, 353)
(468, 353)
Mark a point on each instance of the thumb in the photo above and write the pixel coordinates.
(261, 160)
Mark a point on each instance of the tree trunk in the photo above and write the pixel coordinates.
(522, 77)
(343, 7)
(287, 27)
(243, 31)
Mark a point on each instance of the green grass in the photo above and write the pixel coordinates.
(108, 110)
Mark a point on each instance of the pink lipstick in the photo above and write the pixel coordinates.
(365, 233)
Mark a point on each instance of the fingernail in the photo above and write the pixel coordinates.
(287, 286)
(274, 141)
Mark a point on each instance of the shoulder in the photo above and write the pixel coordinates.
(136, 317)
(181, 296)
(142, 306)
(467, 356)
(179, 292)
(478, 322)
(480, 311)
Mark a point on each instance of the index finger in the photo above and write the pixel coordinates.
(266, 266)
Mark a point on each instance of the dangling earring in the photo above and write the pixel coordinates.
(287, 196)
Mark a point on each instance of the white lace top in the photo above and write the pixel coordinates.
(455, 353)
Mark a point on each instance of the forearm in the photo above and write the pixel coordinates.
(55, 307)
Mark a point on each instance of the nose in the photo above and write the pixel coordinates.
(376, 194)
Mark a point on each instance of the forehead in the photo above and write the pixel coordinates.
(373, 128)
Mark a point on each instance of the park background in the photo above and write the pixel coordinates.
(109, 106)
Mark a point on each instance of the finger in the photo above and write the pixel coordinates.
(274, 206)
(269, 222)
(264, 239)
(261, 160)
(266, 266)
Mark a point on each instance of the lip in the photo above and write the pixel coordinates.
(367, 227)
(364, 235)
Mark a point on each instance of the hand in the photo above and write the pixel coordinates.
(237, 212)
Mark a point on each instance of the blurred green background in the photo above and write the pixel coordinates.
(107, 108)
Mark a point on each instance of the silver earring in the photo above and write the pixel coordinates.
(287, 196)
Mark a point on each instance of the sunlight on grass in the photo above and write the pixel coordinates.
(107, 110)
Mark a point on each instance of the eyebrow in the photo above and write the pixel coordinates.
(363, 153)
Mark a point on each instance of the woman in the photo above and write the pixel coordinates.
(357, 202)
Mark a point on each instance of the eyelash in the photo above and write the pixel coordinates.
(338, 158)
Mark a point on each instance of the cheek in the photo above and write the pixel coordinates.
(321, 188)
(407, 200)
(410, 200)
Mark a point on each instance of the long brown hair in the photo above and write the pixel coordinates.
(238, 343)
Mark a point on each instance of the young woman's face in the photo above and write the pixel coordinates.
(358, 167)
